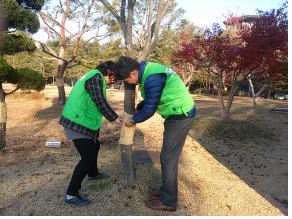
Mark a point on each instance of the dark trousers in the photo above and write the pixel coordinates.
(88, 151)
(174, 136)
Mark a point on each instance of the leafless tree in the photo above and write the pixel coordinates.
(86, 16)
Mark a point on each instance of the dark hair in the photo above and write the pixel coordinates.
(125, 65)
(107, 68)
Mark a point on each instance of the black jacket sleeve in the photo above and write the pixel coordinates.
(94, 88)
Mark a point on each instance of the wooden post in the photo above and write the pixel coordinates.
(127, 135)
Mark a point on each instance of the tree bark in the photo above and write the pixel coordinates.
(254, 103)
(221, 101)
(60, 83)
(188, 81)
(129, 95)
(269, 94)
(230, 101)
(126, 24)
(153, 27)
(3, 118)
(127, 145)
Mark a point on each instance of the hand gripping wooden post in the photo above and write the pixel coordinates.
(127, 135)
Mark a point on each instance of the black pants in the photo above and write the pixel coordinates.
(88, 151)
(174, 136)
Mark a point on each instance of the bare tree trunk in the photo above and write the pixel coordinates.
(252, 92)
(153, 26)
(3, 117)
(269, 94)
(205, 85)
(42, 66)
(188, 81)
(221, 101)
(129, 95)
(126, 24)
(126, 138)
(60, 83)
(230, 101)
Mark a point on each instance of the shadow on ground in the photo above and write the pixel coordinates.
(254, 147)
(51, 112)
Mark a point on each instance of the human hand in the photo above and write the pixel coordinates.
(119, 121)
(129, 123)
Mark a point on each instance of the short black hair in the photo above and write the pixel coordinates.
(125, 66)
(107, 68)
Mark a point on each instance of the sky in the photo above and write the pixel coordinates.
(206, 12)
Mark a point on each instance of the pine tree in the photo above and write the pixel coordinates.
(17, 19)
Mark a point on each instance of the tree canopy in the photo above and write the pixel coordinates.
(18, 18)
(248, 45)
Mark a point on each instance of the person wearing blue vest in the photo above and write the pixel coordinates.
(81, 118)
(163, 91)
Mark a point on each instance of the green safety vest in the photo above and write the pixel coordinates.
(80, 108)
(175, 98)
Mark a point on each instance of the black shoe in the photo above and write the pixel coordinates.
(99, 176)
(76, 200)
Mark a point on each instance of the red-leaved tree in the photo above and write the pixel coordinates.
(215, 52)
(265, 54)
(249, 45)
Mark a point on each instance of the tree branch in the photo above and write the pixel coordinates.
(73, 65)
(47, 58)
(111, 9)
(48, 25)
(123, 11)
(261, 90)
(79, 35)
(51, 52)
(100, 37)
(163, 6)
(61, 5)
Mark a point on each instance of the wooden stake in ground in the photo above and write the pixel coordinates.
(127, 135)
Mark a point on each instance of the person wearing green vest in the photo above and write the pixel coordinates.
(81, 118)
(163, 91)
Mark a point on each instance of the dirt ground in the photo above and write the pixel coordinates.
(239, 168)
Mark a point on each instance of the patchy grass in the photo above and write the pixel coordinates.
(249, 132)
(100, 186)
